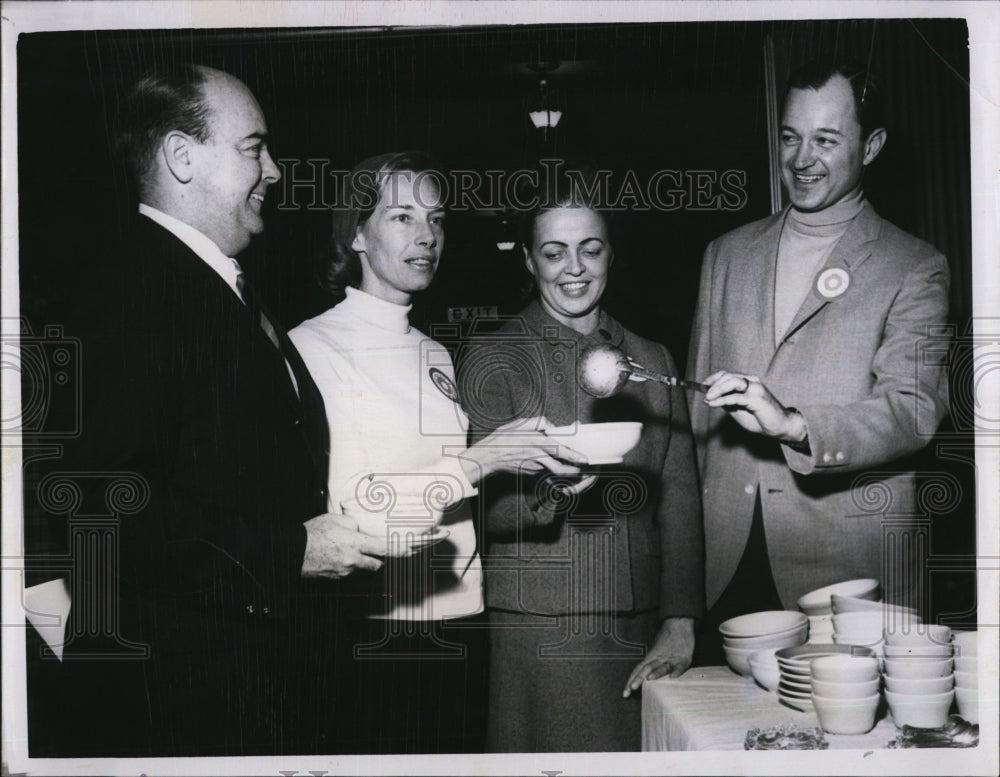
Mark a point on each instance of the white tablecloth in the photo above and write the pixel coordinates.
(712, 708)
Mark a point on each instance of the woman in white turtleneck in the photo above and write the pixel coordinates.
(395, 421)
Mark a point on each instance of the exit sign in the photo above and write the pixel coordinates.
(470, 313)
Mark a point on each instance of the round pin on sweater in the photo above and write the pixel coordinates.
(444, 384)
(832, 282)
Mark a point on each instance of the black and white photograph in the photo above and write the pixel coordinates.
(460, 387)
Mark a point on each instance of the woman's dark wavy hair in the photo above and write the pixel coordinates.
(577, 186)
(359, 194)
(568, 187)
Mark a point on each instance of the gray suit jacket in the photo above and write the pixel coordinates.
(631, 543)
(852, 363)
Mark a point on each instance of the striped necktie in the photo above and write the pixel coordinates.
(249, 296)
(252, 301)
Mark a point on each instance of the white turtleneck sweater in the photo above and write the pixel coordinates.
(394, 418)
(807, 240)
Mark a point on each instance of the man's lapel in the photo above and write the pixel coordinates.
(763, 256)
(835, 278)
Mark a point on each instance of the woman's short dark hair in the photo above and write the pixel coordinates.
(161, 101)
(359, 194)
(566, 187)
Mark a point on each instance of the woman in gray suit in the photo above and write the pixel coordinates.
(589, 591)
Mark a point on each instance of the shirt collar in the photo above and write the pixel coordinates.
(608, 329)
(226, 267)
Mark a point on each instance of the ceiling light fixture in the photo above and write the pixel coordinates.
(543, 117)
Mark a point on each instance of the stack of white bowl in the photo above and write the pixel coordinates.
(919, 675)
(795, 684)
(863, 622)
(818, 605)
(745, 635)
(892, 612)
(845, 693)
(967, 674)
(859, 628)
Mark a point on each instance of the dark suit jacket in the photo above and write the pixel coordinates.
(194, 470)
(852, 363)
(644, 513)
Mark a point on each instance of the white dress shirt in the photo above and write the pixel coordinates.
(227, 268)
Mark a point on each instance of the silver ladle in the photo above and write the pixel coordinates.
(604, 369)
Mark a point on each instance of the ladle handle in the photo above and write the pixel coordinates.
(639, 372)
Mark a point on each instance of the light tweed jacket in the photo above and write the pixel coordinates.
(854, 364)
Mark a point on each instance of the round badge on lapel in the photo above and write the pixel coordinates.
(444, 384)
(832, 282)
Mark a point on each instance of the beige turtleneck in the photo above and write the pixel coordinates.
(807, 240)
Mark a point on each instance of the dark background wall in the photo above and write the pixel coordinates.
(636, 98)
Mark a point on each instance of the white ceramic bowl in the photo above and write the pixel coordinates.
(906, 667)
(919, 685)
(767, 674)
(845, 669)
(818, 602)
(968, 703)
(600, 443)
(926, 651)
(920, 710)
(859, 621)
(739, 659)
(405, 515)
(865, 639)
(846, 716)
(787, 638)
(860, 642)
(806, 653)
(767, 655)
(966, 644)
(966, 679)
(842, 604)
(759, 624)
(915, 635)
(966, 664)
(841, 690)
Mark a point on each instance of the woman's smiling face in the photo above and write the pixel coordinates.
(569, 257)
(400, 244)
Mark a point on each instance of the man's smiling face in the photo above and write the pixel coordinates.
(823, 153)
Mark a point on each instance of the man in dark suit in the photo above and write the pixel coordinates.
(808, 329)
(198, 537)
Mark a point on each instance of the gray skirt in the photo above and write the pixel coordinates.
(556, 682)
